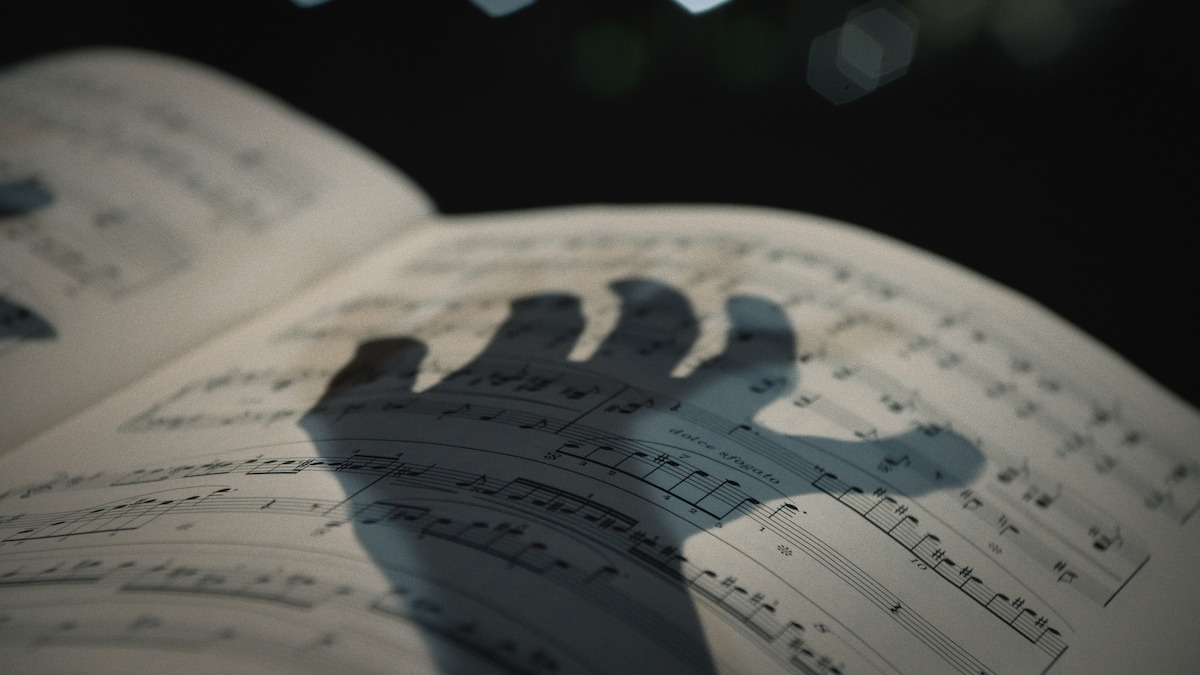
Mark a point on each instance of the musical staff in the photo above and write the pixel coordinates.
(135, 578)
(717, 497)
(950, 341)
(508, 542)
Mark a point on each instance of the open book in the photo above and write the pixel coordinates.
(264, 410)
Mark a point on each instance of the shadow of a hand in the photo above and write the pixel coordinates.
(559, 495)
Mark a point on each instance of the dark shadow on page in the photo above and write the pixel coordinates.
(19, 197)
(656, 327)
(23, 196)
(21, 323)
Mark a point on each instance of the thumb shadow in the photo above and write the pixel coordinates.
(531, 516)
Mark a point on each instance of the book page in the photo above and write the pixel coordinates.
(605, 440)
(145, 204)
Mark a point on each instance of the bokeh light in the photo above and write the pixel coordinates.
(496, 8)
(873, 47)
(698, 6)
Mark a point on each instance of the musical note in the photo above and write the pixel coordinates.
(805, 400)
(464, 408)
(1041, 498)
(387, 512)
(1005, 525)
(477, 484)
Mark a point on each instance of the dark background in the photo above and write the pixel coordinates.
(1044, 143)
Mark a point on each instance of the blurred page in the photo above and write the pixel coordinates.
(147, 203)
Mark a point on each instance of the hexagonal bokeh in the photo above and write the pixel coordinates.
(873, 47)
(495, 8)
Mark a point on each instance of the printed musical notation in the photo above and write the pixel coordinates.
(559, 389)
(655, 465)
(302, 591)
(123, 251)
(116, 248)
(133, 578)
(237, 180)
(950, 346)
(569, 427)
(583, 411)
(894, 518)
(515, 542)
(939, 343)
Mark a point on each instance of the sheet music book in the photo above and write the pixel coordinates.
(265, 410)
